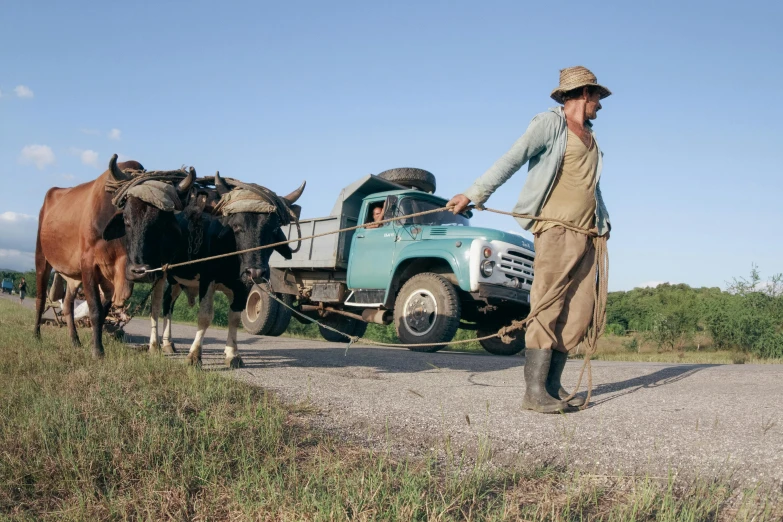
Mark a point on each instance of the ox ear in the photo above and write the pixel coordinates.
(297, 210)
(115, 229)
(283, 250)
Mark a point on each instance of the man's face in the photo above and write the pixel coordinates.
(593, 105)
(377, 214)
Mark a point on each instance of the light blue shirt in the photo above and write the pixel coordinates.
(542, 146)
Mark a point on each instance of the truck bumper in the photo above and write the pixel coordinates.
(495, 293)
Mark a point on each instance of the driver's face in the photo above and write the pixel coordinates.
(377, 214)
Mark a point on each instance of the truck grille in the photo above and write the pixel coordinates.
(517, 264)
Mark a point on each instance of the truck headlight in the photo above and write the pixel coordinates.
(487, 267)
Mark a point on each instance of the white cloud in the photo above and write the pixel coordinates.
(23, 91)
(91, 132)
(17, 260)
(89, 157)
(18, 231)
(115, 134)
(39, 155)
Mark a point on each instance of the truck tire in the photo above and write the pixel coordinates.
(283, 315)
(427, 310)
(497, 347)
(410, 177)
(348, 325)
(258, 317)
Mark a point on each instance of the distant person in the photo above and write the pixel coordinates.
(377, 215)
(22, 290)
(564, 168)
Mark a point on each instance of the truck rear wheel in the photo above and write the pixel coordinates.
(409, 177)
(347, 325)
(283, 315)
(427, 310)
(259, 315)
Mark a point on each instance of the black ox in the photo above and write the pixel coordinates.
(204, 235)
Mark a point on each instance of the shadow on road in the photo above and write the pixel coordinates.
(662, 377)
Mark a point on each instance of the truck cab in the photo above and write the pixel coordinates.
(428, 274)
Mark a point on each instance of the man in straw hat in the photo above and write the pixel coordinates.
(564, 168)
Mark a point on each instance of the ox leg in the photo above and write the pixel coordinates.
(169, 298)
(92, 293)
(42, 272)
(70, 294)
(156, 301)
(205, 314)
(233, 360)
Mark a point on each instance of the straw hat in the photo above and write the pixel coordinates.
(575, 77)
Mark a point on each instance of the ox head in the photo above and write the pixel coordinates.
(147, 223)
(254, 227)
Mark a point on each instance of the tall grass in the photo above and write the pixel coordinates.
(140, 437)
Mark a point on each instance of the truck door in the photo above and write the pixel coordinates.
(372, 255)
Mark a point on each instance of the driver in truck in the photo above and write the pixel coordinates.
(564, 169)
(376, 214)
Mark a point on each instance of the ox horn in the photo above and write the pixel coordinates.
(184, 186)
(220, 184)
(115, 171)
(295, 195)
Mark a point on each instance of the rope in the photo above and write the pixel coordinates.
(599, 294)
(279, 243)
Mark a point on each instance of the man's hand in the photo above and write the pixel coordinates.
(458, 203)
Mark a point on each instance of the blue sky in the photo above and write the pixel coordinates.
(280, 92)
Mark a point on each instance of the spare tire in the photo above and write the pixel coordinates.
(410, 177)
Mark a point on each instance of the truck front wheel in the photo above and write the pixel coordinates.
(427, 310)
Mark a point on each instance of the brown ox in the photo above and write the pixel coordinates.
(70, 240)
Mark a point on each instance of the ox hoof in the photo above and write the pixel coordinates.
(235, 363)
(194, 360)
(76, 343)
(169, 348)
(154, 348)
(97, 354)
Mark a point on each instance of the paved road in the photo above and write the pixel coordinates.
(646, 417)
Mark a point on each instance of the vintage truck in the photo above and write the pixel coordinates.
(8, 286)
(429, 275)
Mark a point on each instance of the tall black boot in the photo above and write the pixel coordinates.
(537, 364)
(553, 386)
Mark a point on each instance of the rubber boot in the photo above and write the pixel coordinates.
(537, 364)
(553, 386)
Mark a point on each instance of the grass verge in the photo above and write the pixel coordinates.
(140, 437)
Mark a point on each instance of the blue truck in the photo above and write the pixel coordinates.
(8, 286)
(429, 275)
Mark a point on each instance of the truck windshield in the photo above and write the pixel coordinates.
(413, 206)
